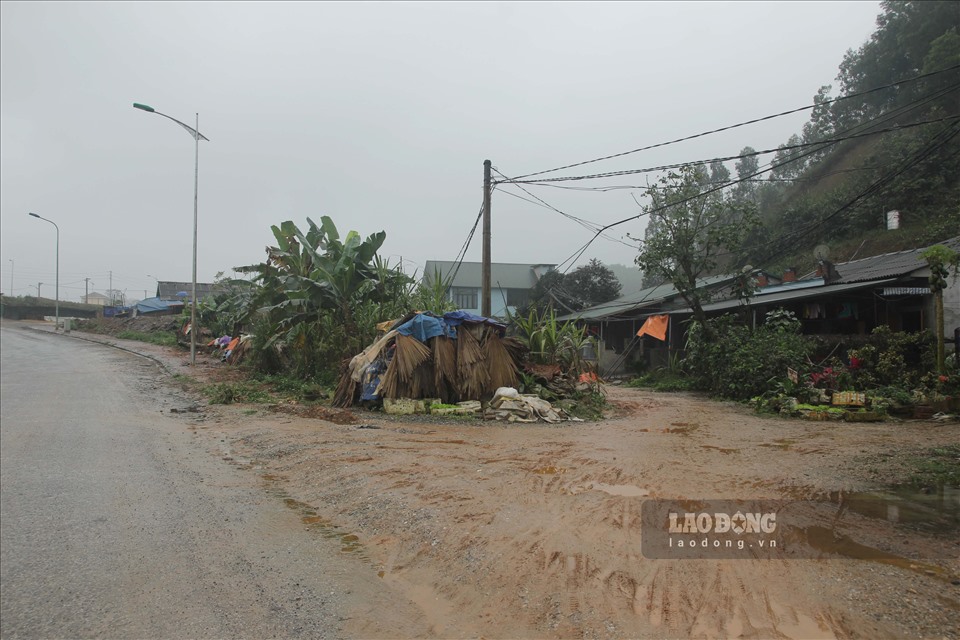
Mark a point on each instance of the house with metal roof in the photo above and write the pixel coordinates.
(615, 323)
(854, 297)
(843, 299)
(168, 290)
(510, 283)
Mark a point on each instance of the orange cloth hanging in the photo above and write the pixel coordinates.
(656, 327)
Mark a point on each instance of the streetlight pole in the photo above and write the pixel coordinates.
(56, 327)
(195, 133)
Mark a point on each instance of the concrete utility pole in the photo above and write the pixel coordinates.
(485, 305)
(38, 291)
(86, 291)
(111, 289)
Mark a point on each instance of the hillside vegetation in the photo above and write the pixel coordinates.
(890, 142)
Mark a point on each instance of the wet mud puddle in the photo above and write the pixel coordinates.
(936, 513)
(349, 542)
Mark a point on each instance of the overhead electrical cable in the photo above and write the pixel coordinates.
(463, 250)
(770, 167)
(745, 123)
(786, 147)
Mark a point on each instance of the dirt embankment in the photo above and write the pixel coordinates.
(534, 531)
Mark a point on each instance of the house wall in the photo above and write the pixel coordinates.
(498, 302)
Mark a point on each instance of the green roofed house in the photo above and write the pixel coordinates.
(510, 283)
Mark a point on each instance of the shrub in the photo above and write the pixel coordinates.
(741, 363)
(892, 358)
(230, 392)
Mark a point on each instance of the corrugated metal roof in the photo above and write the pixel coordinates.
(638, 300)
(784, 296)
(887, 265)
(168, 290)
(502, 275)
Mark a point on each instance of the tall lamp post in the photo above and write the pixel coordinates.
(197, 136)
(158, 283)
(56, 327)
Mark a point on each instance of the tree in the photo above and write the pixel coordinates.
(788, 163)
(592, 284)
(586, 286)
(747, 168)
(306, 296)
(941, 259)
(719, 174)
(696, 232)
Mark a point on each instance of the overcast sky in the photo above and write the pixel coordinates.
(379, 115)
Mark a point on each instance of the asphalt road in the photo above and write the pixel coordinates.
(117, 521)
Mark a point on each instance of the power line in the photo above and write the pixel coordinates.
(587, 224)
(677, 165)
(463, 250)
(899, 111)
(741, 124)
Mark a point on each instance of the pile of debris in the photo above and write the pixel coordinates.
(508, 404)
(229, 349)
(455, 358)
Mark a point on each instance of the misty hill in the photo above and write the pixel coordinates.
(890, 143)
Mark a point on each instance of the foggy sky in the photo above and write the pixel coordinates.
(379, 115)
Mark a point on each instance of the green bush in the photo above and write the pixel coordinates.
(304, 390)
(741, 363)
(892, 359)
(230, 392)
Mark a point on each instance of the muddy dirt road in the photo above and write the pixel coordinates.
(534, 531)
(480, 529)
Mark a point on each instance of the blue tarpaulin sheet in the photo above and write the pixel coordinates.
(423, 327)
(456, 318)
(154, 305)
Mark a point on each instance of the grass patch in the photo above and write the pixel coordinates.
(231, 392)
(661, 382)
(162, 339)
(184, 379)
(303, 390)
(586, 405)
(935, 467)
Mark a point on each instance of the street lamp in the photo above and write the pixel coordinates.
(158, 286)
(56, 327)
(196, 135)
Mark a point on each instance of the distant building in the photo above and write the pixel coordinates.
(510, 284)
(167, 290)
(96, 298)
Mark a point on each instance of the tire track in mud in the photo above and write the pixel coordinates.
(530, 526)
